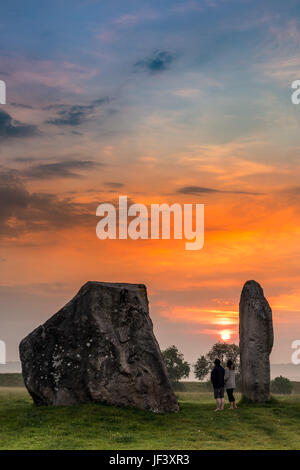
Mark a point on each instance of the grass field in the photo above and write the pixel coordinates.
(197, 426)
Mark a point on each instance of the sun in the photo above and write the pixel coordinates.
(225, 335)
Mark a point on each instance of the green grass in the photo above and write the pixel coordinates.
(196, 426)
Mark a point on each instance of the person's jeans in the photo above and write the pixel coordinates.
(230, 395)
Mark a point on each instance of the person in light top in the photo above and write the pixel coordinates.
(229, 380)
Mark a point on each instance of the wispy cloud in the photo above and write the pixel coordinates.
(58, 75)
(127, 20)
(281, 61)
(74, 115)
(188, 6)
(113, 30)
(131, 19)
(187, 92)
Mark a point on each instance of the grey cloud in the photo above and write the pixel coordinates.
(11, 128)
(158, 62)
(22, 211)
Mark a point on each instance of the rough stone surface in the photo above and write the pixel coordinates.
(256, 342)
(100, 347)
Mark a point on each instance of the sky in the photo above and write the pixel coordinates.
(165, 102)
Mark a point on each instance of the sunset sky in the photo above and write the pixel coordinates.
(173, 101)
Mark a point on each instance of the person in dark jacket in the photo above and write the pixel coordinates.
(217, 379)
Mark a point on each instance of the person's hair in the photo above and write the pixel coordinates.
(230, 364)
(217, 362)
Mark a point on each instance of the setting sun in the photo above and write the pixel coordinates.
(225, 335)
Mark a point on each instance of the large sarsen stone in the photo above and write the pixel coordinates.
(256, 342)
(100, 347)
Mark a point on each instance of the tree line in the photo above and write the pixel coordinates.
(179, 369)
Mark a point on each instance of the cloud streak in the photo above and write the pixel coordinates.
(203, 190)
(113, 185)
(66, 169)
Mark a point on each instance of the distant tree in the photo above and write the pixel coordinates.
(177, 367)
(224, 352)
(281, 385)
(201, 368)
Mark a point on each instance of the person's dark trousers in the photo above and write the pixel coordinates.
(230, 395)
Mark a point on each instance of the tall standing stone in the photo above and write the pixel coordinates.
(256, 342)
(100, 347)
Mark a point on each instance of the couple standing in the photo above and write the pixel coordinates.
(223, 378)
